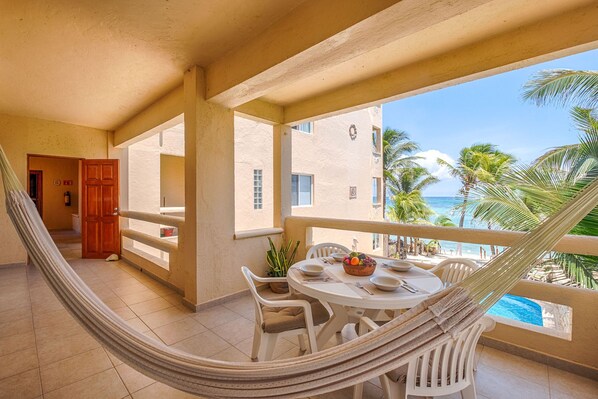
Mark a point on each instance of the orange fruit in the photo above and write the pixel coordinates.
(355, 261)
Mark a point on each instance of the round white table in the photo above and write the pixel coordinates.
(348, 301)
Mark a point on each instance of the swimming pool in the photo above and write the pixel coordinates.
(518, 308)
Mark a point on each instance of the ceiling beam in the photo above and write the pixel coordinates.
(551, 38)
(318, 35)
(262, 111)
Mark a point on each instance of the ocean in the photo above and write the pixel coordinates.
(444, 206)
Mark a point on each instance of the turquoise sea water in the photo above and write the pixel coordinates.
(444, 206)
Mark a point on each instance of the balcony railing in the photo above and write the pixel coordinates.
(168, 269)
(580, 350)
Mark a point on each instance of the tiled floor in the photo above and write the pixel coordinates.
(43, 351)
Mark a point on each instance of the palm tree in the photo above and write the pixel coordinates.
(397, 148)
(531, 193)
(528, 195)
(478, 163)
(409, 207)
(563, 86)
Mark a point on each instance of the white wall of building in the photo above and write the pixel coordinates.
(338, 162)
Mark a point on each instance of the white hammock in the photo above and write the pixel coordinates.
(431, 322)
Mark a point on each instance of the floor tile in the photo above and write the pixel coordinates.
(205, 344)
(231, 354)
(163, 317)
(215, 316)
(67, 371)
(575, 385)
(153, 305)
(179, 330)
(52, 318)
(516, 365)
(138, 324)
(236, 330)
(141, 296)
(23, 312)
(25, 385)
(104, 385)
(14, 327)
(500, 385)
(133, 379)
(161, 391)
(53, 350)
(15, 343)
(18, 362)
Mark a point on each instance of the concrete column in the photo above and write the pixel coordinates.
(282, 169)
(209, 258)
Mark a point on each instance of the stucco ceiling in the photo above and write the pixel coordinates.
(98, 63)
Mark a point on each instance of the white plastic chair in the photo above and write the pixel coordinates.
(278, 318)
(455, 270)
(325, 249)
(442, 370)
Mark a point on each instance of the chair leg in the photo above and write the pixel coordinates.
(392, 390)
(311, 338)
(302, 345)
(469, 392)
(267, 346)
(358, 391)
(257, 339)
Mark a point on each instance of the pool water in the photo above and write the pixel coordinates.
(518, 308)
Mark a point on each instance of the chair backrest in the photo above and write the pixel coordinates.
(325, 249)
(448, 367)
(454, 270)
(250, 278)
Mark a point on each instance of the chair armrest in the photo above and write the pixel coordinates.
(436, 268)
(270, 279)
(366, 325)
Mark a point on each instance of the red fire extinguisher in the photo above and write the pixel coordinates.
(67, 199)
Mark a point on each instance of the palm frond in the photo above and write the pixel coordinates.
(562, 87)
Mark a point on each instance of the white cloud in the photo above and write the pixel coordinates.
(428, 161)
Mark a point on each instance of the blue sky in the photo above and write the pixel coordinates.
(489, 110)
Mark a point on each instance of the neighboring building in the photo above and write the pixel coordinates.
(336, 173)
(328, 177)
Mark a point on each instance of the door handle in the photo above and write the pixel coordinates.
(115, 212)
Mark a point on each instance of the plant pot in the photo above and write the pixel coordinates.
(279, 288)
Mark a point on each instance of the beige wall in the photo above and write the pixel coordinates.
(172, 180)
(56, 215)
(253, 150)
(322, 154)
(336, 163)
(20, 136)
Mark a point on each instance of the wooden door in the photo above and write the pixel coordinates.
(99, 220)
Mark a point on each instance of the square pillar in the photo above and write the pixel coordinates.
(282, 169)
(209, 193)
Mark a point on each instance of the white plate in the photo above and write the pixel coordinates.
(386, 283)
(311, 270)
(338, 256)
(400, 265)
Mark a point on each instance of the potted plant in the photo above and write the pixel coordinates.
(279, 261)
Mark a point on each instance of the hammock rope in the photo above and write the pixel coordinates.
(431, 322)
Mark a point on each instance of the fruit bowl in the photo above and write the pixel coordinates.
(359, 264)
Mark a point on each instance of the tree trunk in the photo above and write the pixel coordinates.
(462, 219)
(492, 247)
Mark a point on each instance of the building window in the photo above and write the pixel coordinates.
(376, 140)
(376, 191)
(257, 189)
(375, 241)
(306, 127)
(301, 190)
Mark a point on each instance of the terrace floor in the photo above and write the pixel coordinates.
(45, 353)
